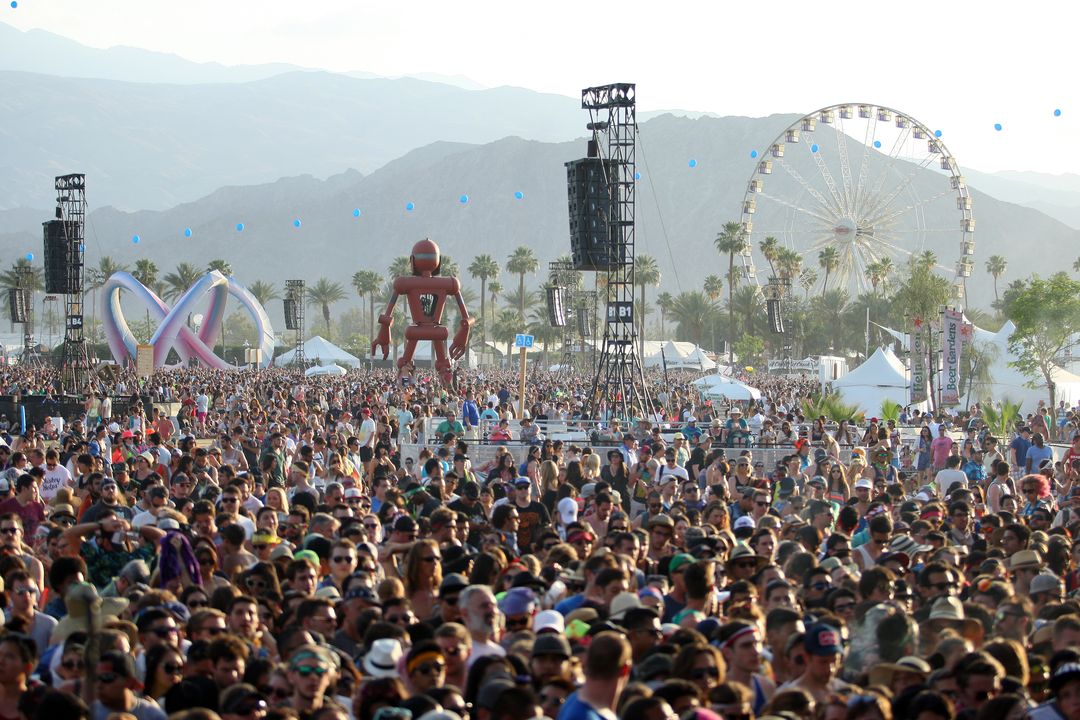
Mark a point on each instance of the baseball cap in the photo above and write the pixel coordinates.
(823, 639)
(864, 483)
(680, 560)
(552, 644)
(517, 601)
(549, 620)
(568, 510)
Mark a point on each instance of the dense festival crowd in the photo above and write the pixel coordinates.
(252, 545)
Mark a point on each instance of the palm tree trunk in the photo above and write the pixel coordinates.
(483, 306)
(825, 283)
(521, 293)
(731, 308)
(641, 342)
(326, 319)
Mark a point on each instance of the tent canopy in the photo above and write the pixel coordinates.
(325, 370)
(881, 377)
(319, 349)
(676, 356)
(717, 387)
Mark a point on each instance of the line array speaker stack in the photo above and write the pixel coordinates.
(592, 206)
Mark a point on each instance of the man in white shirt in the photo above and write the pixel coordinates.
(56, 476)
(949, 475)
(366, 435)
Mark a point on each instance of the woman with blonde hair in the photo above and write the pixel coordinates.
(549, 484)
(277, 499)
(591, 467)
(422, 576)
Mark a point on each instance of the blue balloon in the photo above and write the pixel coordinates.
(814, 148)
(296, 222)
(937, 133)
(637, 176)
(136, 239)
(239, 227)
(877, 143)
(187, 232)
(753, 153)
(997, 126)
(519, 195)
(356, 212)
(14, 4)
(409, 206)
(30, 257)
(1057, 113)
(463, 199)
(82, 247)
(693, 163)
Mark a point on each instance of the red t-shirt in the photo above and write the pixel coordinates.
(32, 514)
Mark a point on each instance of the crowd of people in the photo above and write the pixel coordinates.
(249, 545)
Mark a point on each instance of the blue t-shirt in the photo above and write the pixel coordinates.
(1021, 446)
(570, 604)
(1037, 455)
(575, 709)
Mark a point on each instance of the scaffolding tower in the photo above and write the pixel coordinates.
(71, 209)
(294, 293)
(618, 388)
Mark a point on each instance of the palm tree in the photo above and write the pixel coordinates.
(807, 280)
(178, 282)
(828, 259)
(748, 304)
(996, 266)
(400, 267)
(367, 282)
(522, 261)
(664, 301)
(885, 266)
(532, 297)
(694, 312)
(264, 292)
(484, 267)
(96, 277)
(713, 287)
(10, 281)
(325, 293)
(447, 266)
(541, 329)
(146, 272)
(789, 263)
(830, 308)
(505, 327)
(222, 266)
(646, 272)
(770, 250)
(927, 258)
(1076, 265)
(732, 240)
(495, 288)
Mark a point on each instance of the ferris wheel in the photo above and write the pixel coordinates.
(866, 185)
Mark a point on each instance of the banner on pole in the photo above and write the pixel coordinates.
(952, 322)
(918, 363)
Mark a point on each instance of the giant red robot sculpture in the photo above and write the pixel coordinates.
(427, 295)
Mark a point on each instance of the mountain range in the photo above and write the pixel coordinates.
(268, 145)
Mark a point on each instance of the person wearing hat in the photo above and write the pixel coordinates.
(518, 606)
(1024, 566)
(243, 701)
(313, 669)
(1065, 695)
(1045, 588)
(906, 672)
(550, 658)
(736, 429)
(743, 563)
(425, 666)
(825, 652)
(117, 686)
(533, 516)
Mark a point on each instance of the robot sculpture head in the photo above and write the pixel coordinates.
(425, 258)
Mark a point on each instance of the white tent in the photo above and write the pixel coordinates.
(722, 387)
(676, 356)
(881, 377)
(1008, 382)
(320, 350)
(325, 370)
(423, 357)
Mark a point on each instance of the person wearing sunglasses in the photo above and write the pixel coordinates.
(25, 595)
(116, 686)
(311, 673)
(164, 669)
(425, 667)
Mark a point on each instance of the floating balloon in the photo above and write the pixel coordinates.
(877, 143)
(136, 239)
(409, 206)
(356, 212)
(519, 195)
(637, 176)
(814, 148)
(296, 222)
(753, 153)
(463, 199)
(937, 133)
(1057, 113)
(693, 163)
(82, 247)
(997, 126)
(14, 4)
(29, 257)
(239, 227)
(187, 232)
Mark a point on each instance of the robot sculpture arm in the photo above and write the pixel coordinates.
(461, 337)
(386, 320)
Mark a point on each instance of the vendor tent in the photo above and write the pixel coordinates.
(325, 370)
(320, 351)
(1008, 382)
(422, 357)
(881, 377)
(723, 387)
(676, 356)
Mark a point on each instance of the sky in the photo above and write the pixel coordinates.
(957, 66)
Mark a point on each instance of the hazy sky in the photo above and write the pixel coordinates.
(957, 66)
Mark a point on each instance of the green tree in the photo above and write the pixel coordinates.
(400, 267)
(831, 308)
(146, 272)
(325, 293)
(807, 280)
(829, 260)
(646, 273)
(750, 349)
(996, 266)
(505, 327)
(747, 302)
(1047, 316)
(664, 301)
(885, 268)
(366, 284)
(521, 262)
(96, 277)
(770, 250)
(10, 281)
(448, 267)
(789, 263)
(264, 292)
(714, 287)
(222, 266)
(495, 288)
(694, 312)
(484, 268)
(178, 281)
(731, 241)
